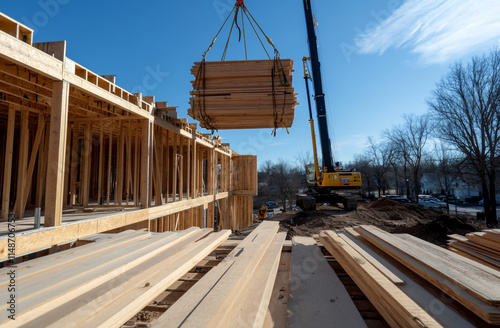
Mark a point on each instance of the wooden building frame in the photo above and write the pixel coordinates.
(71, 139)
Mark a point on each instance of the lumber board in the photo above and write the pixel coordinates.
(374, 259)
(55, 260)
(479, 280)
(127, 298)
(9, 151)
(474, 255)
(212, 296)
(54, 197)
(439, 309)
(278, 305)
(49, 289)
(487, 312)
(317, 296)
(396, 307)
(256, 294)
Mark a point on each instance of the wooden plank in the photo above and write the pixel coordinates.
(102, 243)
(479, 280)
(396, 307)
(489, 313)
(32, 161)
(440, 309)
(101, 164)
(145, 156)
(278, 305)
(120, 163)
(214, 294)
(23, 163)
(87, 155)
(110, 156)
(374, 259)
(66, 289)
(54, 196)
(256, 294)
(7, 172)
(160, 277)
(317, 297)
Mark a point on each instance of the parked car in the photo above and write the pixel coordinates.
(388, 196)
(402, 200)
(431, 202)
(271, 205)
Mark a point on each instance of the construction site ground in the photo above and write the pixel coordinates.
(429, 224)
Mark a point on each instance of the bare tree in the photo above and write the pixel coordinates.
(465, 105)
(381, 155)
(447, 168)
(409, 141)
(304, 158)
(363, 164)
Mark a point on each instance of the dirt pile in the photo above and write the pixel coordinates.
(437, 230)
(389, 215)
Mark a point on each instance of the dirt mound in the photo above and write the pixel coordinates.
(437, 230)
(389, 215)
(384, 204)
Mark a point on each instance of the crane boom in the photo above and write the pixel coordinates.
(319, 96)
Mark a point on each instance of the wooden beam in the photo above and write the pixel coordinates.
(23, 163)
(87, 156)
(32, 161)
(119, 166)
(7, 172)
(110, 159)
(101, 164)
(56, 154)
(145, 156)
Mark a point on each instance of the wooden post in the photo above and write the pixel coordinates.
(136, 165)
(101, 163)
(188, 169)
(145, 155)
(74, 162)
(23, 163)
(54, 196)
(32, 161)
(9, 151)
(128, 164)
(119, 166)
(67, 161)
(42, 171)
(193, 172)
(174, 168)
(110, 158)
(87, 154)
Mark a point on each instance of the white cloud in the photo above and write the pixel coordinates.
(437, 30)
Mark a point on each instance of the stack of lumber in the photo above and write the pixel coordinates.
(236, 293)
(483, 247)
(474, 286)
(105, 283)
(378, 282)
(239, 94)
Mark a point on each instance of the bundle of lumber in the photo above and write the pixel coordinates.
(235, 293)
(249, 94)
(483, 247)
(105, 283)
(474, 286)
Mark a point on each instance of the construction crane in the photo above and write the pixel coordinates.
(329, 182)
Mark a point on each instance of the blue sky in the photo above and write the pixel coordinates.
(380, 58)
